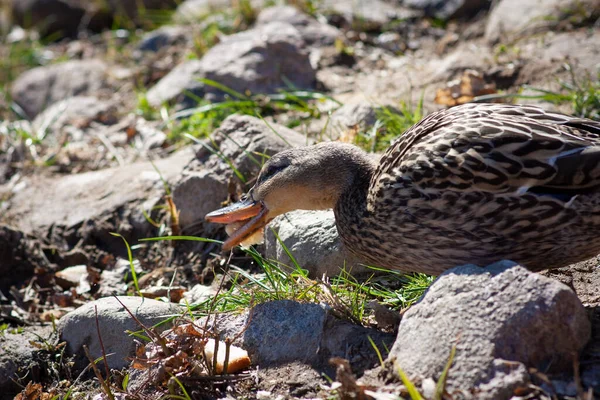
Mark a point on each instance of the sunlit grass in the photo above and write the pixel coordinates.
(203, 119)
(391, 124)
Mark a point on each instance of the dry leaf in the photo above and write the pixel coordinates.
(460, 91)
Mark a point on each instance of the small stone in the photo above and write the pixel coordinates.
(79, 327)
(40, 87)
(313, 240)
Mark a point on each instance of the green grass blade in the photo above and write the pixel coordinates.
(376, 350)
(441, 385)
(273, 130)
(224, 88)
(191, 238)
(131, 266)
(410, 387)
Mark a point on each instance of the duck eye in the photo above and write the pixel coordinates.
(272, 170)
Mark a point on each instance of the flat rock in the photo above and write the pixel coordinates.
(203, 185)
(78, 328)
(259, 60)
(77, 111)
(313, 32)
(503, 319)
(448, 9)
(312, 239)
(71, 200)
(533, 16)
(40, 87)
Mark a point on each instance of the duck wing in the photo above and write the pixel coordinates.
(494, 148)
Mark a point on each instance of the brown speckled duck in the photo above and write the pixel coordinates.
(470, 185)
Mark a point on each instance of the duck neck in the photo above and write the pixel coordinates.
(351, 206)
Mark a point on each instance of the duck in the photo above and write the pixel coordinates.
(473, 184)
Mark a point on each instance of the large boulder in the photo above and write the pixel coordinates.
(40, 87)
(260, 60)
(503, 319)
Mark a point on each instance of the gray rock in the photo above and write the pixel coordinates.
(190, 11)
(78, 110)
(17, 357)
(532, 16)
(367, 15)
(164, 36)
(78, 327)
(203, 185)
(75, 200)
(259, 60)
(313, 32)
(313, 240)
(40, 87)
(177, 84)
(448, 9)
(499, 317)
(285, 331)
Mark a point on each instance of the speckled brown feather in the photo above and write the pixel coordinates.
(478, 183)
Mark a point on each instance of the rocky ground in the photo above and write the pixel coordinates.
(133, 119)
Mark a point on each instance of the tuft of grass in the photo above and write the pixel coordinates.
(202, 120)
(583, 95)
(391, 124)
(347, 297)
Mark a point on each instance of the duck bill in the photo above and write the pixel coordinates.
(246, 210)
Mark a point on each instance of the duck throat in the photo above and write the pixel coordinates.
(351, 208)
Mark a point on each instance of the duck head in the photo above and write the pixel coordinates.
(304, 178)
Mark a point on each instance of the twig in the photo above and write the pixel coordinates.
(101, 342)
(105, 385)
